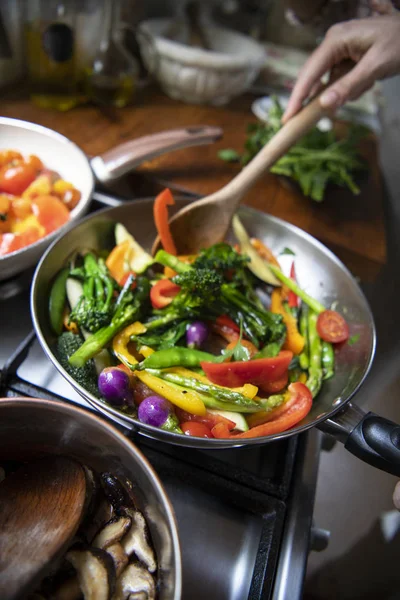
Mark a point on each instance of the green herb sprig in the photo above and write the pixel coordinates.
(318, 159)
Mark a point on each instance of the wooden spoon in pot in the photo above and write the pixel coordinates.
(41, 507)
(206, 221)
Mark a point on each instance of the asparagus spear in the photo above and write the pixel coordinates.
(303, 325)
(315, 369)
(328, 360)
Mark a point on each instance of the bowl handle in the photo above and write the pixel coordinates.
(123, 158)
(370, 437)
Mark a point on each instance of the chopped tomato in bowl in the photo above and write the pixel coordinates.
(34, 201)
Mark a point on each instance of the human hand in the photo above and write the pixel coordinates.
(396, 496)
(373, 44)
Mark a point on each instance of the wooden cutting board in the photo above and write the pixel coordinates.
(351, 226)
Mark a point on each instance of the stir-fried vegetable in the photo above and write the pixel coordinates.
(194, 350)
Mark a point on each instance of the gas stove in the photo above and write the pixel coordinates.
(244, 515)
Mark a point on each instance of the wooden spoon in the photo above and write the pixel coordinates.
(206, 221)
(41, 507)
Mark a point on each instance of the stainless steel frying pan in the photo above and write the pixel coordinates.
(60, 154)
(321, 274)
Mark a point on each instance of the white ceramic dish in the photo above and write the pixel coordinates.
(200, 76)
(66, 158)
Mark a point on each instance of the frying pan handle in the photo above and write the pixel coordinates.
(370, 437)
(123, 158)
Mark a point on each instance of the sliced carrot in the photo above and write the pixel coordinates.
(161, 203)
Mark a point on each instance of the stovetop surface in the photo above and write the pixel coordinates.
(232, 506)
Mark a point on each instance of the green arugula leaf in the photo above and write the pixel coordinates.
(353, 339)
(287, 251)
(229, 155)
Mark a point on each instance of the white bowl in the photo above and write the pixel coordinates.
(200, 76)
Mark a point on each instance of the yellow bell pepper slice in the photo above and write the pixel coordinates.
(185, 399)
(145, 351)
(248, 389)
(122, 339)
(294, 340)
(116, 260)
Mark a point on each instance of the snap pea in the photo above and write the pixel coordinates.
(328, 360)
(175, 357)
(58, 295)
(303, 326)
(220, 393)
(314, 380)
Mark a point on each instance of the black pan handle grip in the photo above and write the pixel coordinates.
(376, 440)
(370, 437)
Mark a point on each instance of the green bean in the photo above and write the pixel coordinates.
(328, 360)
(303, 326)
(220, 393)
(314, 380)
(58, 295)
(175, 357)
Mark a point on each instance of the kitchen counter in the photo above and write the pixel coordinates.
(351, 226)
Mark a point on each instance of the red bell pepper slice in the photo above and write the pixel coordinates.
(208, 419)
(293, 299)
(163, 292)
(258, 371)
(160, 210)
(225, 321)
(226, 328)
(300, 406)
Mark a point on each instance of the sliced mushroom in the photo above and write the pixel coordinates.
(113, 531)
(119, 557)
(115, 491)
(133, 581)
(95, 571)
(138, 596)
(136, 540)
(102, 513)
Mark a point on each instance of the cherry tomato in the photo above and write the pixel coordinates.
(7, 156)
(140, 391)
(50, 212)
(15, 180)
(163, 292)
(21, 208)
(332, 327)
(35, 162)
(10, 242)
(196, 429)
(71, 198)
